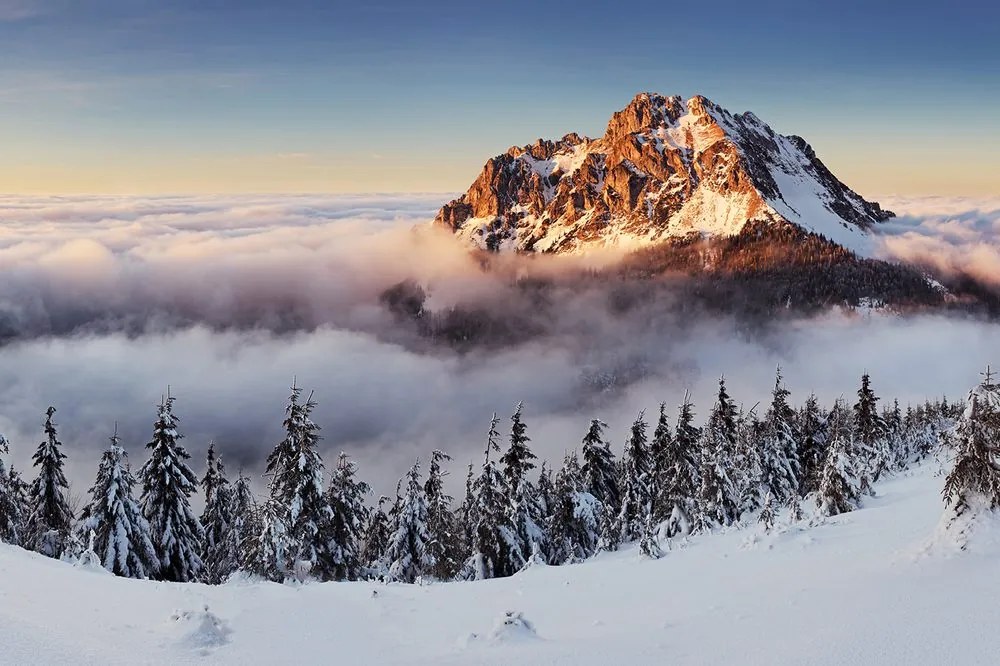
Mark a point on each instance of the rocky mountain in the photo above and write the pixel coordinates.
(664, 169)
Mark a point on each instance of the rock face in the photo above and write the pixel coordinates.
(665, 168)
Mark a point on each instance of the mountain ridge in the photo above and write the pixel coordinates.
(664, 169)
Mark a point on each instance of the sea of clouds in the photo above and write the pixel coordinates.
(105, 301)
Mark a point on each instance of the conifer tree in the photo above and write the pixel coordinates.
(766, 517)
(11, 508)
(523, 509)
(376, 540)
(636, 466)
(718, 499)
(346, 497)
(812, 444)
(869, 435)
(779, 447)
(649, 547)
(496, 548)
(244, 512)
(409, 555)
(973, 484)
(220, 555)
(266, 552)
(167, 483)
(746, 464)
(121, 536)
(676, 502)
(575, 521)
(466, 517)
(295, 469)
(546, 490)
(600, 476)
(440, 520)
(50, 520)
(838, 488)
(659, 453)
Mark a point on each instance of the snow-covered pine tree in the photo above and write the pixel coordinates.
(746, 469)
(48, 525)
(680, 480)
(812, 444)
(718, 499)
(649, 546)
(265, 553)
(11, 508)
(973, 484)
(546, 491)
(523, 509)
(766, 517)
(441, 527)
(779, 447)
(496, 548)
(636, 466)
(376, 540)
(408, 555)
(219, 553)
(838, 487)
(121, 535)
(295, 469)
(243, 529)
(659, 453)
(575, 522)
(346, 497)
(167, 483)
(869, 435)
(466, 518)
(599, 469)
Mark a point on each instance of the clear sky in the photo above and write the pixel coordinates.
(147, 96)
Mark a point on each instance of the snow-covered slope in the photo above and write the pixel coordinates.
(664, 168)
(857, 589)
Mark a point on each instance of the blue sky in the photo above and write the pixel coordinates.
(142, 96)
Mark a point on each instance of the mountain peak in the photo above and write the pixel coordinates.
(664, 168)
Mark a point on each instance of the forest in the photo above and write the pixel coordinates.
(675, 477)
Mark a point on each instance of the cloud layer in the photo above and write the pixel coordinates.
(106, 301)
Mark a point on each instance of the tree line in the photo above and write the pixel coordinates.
(674, 478)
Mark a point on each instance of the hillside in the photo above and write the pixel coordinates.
(855, 589)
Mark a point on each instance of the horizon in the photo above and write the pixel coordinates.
(140, 99)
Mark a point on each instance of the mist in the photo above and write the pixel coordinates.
(104, 302)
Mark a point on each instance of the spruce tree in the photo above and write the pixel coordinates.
(466, 518)
(766, 517)
(121, 536)
(346, 497)
(220, 554)
(409, 554)
(838, 486)
(266, 552)
(676, 502)
(376, 540)
(50, 520)
(659, 452)
(11, 508)
(244, 515)
(440, 520)
(636, 466)
(295, 470)
(496, 548)
(575, 522)
(718, 499)
(523, 509)
(812, 444)
(167, 483)
(599, 470)
(779, 447)
(973, 484)
(869, 435)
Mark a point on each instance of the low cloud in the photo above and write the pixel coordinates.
(106, 301)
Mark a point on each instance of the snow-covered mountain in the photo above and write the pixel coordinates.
(665, 168)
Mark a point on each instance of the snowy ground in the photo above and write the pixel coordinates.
(859, 589)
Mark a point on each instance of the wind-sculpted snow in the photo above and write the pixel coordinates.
(106, 301)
